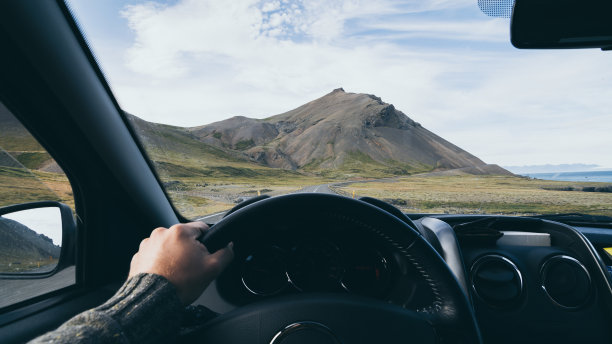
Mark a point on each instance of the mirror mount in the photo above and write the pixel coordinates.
(67, 256)
(561, 24)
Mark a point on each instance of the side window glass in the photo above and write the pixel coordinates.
(36, 201)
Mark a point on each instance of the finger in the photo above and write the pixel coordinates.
(191, 229)
(142, 243)
(223, 257)
(202, 227)
(157, 231)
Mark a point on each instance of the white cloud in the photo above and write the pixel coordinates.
(271, 6)
(489, 30)
(200, 61)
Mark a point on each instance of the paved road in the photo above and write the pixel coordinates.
(213, 218)
(15, 290)
(323, 188)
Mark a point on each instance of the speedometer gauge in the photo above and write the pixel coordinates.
(264, 271)
(367, 273)
(316, 265)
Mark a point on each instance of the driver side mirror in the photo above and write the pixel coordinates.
(37, 239)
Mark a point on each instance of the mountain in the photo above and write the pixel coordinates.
(178, 153)
(27, 172)
(20, 246)
(339, 135)
(342, 131)
(18, 149)
(552, 168)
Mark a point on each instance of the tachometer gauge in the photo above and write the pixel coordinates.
(367, 273)
(264, 271)
(316, 265)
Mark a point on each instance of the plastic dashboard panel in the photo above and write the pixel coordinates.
(333, 253)
(535, 317)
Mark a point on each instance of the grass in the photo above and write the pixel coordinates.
(18, 185)
(244, 144)
(32, 160)
(229, 179)
(15, 138)
(199, 188)
(195, 196)
(484, 195)
(192, 206)
(198, 191)
(25, 264)
(414, 194)
(202, 179)
(357, 164)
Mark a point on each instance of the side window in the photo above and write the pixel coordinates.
(36, 204)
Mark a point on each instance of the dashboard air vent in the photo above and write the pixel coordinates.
(566, 281)
(497, 281)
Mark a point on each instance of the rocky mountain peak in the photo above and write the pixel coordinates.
(328, 132)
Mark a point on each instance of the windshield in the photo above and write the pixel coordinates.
(422, 104)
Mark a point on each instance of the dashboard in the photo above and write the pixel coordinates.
(325, 259)
(541, 276)
(544, 277)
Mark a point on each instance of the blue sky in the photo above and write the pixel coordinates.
(443, 63)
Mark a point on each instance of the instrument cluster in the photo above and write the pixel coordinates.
(280, 264)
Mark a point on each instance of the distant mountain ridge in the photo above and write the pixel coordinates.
(339, 134)
(20, 245)
(552, 168)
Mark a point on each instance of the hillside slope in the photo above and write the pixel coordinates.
(353, 132)
(177, 153)
(22, 248)
(17, 147)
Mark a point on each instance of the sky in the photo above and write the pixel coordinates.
(47, 221)
(444, 63)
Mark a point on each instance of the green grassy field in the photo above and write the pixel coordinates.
(485, 195)
(26, 264)
(198, 190)
(357, 164)
(197, 196)
(19, 185)
(202, 179)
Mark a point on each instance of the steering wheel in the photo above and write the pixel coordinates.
(339, 318)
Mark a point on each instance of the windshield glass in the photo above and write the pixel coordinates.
(423, 104)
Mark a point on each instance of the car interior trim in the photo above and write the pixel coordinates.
(493, 257)
(545, 270)
(85, 98)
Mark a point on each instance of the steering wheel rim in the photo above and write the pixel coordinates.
(450, 315)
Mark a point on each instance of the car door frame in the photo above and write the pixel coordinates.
(51, 82)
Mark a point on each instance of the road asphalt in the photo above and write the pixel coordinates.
(322, 188)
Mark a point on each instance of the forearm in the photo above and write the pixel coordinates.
(145, 309)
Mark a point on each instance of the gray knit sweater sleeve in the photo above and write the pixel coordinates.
(146, 309)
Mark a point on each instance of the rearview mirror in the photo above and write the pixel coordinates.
(36, 239)
(561, 24)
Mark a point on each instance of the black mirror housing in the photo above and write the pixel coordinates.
(67, 256)
(561, 24)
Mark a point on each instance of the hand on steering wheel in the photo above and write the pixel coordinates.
(344, 318)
